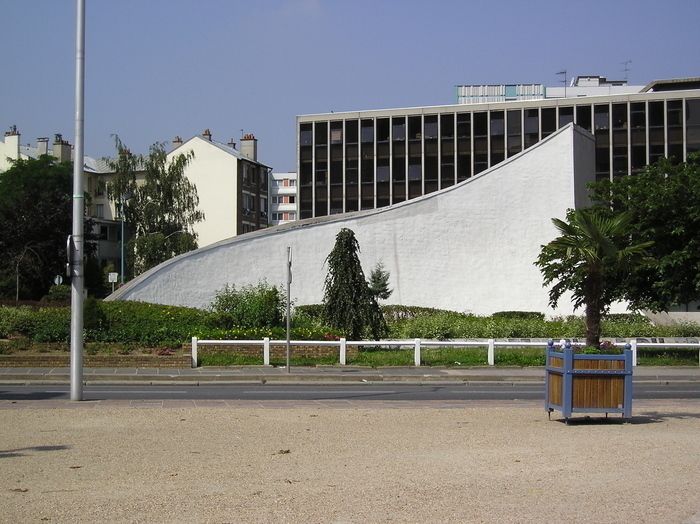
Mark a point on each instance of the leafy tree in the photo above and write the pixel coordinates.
(159, 204)
(35, 213)
(379, 282)
(664, 202)
(349, 304)
(590, 259)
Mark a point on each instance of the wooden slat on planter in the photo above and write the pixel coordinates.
(598, 392)
(555, 388)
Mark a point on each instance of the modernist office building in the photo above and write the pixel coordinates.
(363, 160)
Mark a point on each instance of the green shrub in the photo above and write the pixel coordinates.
(519, 315)
(149, 324)
(51, 325)
(258, 306)
(314, 311)
(94, 318)
(395, 313)
(445, 325)
(59, 293)
(16, 321)
(19, 344)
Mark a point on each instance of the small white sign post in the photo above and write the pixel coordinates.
(112, 278)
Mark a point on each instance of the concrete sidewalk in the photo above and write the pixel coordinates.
(321, 374)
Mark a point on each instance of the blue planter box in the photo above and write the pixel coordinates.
(581, 383)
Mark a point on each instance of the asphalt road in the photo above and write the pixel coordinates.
(406, 392)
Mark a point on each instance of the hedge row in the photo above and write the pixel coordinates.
(446, 325)
(155, 325)
(136, 322)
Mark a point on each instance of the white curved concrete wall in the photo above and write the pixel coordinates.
(470, 247)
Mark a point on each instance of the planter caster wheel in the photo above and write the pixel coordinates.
(549, 414)
(566, 421)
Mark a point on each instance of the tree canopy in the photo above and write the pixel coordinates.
(35, 213)
(159, 208)
(590, 258)
(664, 205)
(349, 304)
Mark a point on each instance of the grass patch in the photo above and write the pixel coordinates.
(667, 357)
(453, 357)
(376, 357)
(232, 359)
(447, 357)
(522, 357)
(304, 361)
(229, 359)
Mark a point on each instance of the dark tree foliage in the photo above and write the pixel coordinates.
(664, 202)
(349, 304)
(35, 213)
(379, 282)
(590, 259)
(159, 209)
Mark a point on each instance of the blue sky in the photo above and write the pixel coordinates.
(160, 68)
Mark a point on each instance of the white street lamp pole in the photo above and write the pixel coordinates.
(289, 283)
(121, 260)
(76, 246)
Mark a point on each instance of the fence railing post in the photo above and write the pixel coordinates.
(194, 352)
(416, 352)
(492, 352)
(633, 347)
(342, 351)
(266, 351)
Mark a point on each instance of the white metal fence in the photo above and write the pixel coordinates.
(417, 343)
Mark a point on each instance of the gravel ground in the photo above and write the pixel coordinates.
(480, 463)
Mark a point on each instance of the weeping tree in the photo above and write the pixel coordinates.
(160, 208)
(349, 304)
(591, 258)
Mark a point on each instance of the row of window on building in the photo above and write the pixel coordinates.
(281, 216)
(284, 199)
(346, 165)
(287, 182)
(249, 205)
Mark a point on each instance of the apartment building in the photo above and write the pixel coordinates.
(231, 184)
(283, 198)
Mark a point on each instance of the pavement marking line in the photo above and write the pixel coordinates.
(153, 392)
(317, 391)
(674, 391)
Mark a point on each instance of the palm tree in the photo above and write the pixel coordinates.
(590, 259)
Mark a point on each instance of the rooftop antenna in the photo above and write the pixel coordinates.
(563, 72)
(626, 68)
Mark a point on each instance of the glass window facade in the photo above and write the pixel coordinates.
(398, 159)
(692, 125)
(601, 123)
(515, 137)
(362, 163)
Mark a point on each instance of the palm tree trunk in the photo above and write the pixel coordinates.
(594, 294)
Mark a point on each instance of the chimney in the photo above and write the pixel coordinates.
(11, 144)
(61, 148)
(177, 142)
(249, 147)
(231, 143)
(42, 146)
(207, 134)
